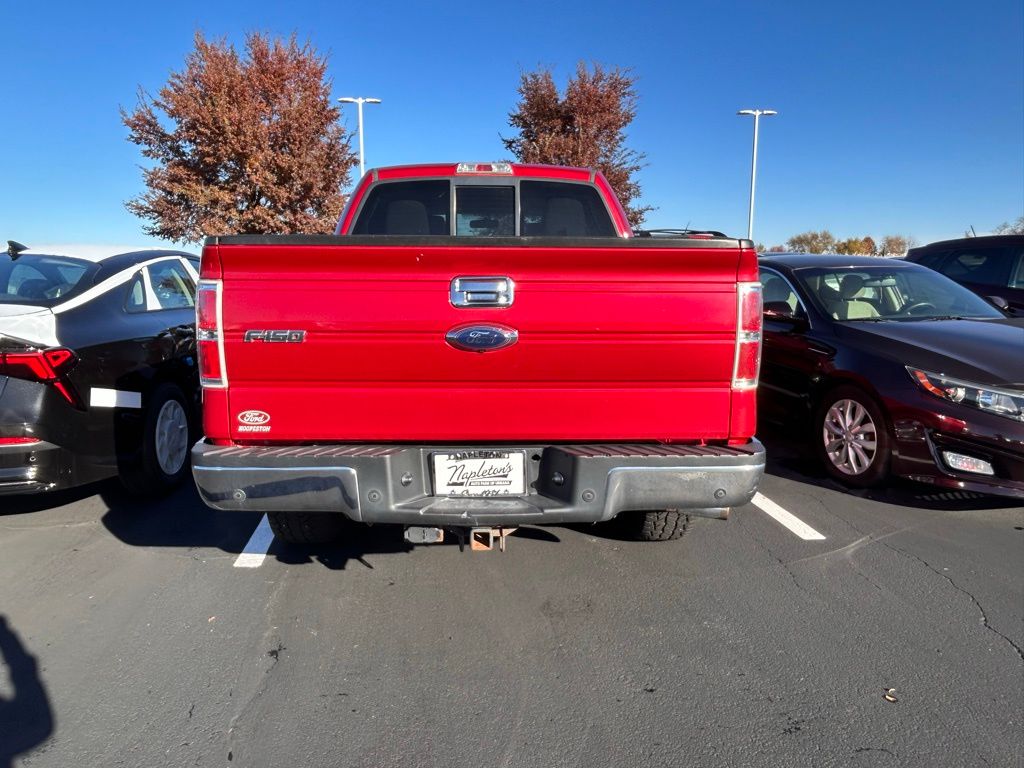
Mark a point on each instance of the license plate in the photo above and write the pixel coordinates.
(480, 473)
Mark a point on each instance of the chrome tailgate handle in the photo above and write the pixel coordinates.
(482, 292)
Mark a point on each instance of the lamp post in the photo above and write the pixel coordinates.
(757, 113)
(359, 101)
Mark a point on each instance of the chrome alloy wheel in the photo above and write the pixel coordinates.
(171, 437)
(850, 437)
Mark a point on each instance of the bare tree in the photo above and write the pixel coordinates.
(1011, 228)
(241, 145)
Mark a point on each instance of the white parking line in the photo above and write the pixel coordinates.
(256, 550)
(791, 521)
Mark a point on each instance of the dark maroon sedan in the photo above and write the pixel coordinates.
(897, 369)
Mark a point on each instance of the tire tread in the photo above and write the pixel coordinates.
(305, 527)
(662, 525)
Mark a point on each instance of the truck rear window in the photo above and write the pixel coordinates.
(423, 207)
(406, 208)
(555, 209)
(485, 211)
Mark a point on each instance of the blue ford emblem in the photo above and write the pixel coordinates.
(481, 338)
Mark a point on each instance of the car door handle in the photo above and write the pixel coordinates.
(482, 292)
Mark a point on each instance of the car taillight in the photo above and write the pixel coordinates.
(748, 336)
(19, 441)
(209, 337)
(48, 366)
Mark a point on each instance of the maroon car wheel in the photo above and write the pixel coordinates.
(852, 438)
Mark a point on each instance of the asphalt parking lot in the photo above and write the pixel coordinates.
(886, 631)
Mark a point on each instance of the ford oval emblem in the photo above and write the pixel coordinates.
(253, 417)
(481, 338)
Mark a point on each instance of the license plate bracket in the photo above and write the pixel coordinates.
(479, 473)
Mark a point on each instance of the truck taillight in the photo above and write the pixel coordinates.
(209, 334)
(47, 366)
(748, 336)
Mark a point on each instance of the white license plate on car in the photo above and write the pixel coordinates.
(480, 473)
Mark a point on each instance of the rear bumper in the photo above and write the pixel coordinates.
(392, 483)
(32, 467)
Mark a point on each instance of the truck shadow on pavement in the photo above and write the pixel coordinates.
(360, 541)
(26, 719)
(357, 543)
(793, 460)
(179, 519)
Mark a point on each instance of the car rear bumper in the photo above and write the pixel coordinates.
(393, 483)
(31, 467)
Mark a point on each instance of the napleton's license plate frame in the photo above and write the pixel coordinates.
(479, 473)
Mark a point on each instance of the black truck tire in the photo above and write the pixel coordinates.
(656, 525)
(306, 527)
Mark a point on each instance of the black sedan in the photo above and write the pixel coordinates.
(896, 370)
(98, 371)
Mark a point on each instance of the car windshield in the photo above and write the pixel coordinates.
(890, 292)
(39, 280)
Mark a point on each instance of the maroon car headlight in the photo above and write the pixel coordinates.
(1002, 402)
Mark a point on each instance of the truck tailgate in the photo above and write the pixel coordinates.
(615, 343)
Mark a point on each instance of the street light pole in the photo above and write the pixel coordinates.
(359, 101)
(753, 163)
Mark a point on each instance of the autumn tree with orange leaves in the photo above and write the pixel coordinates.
(584, 128)
(241, 144)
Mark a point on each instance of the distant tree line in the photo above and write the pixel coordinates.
(825, 242)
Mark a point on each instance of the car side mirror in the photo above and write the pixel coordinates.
(998, 302)
(780, 311)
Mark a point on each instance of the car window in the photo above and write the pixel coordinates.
(485, 211)
(136, 301)
(1018, 279)
(776, 290)
(191, 265)
(933, 259)
(989, 266)
(405, 208)
(887, 293)
(563, 210)
(171, 285)
(37, 279)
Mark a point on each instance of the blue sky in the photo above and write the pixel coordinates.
(894, 117)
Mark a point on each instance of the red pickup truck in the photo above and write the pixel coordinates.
(480, 345)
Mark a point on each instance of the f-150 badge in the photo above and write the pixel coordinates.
(279, 337)
(481, 338)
